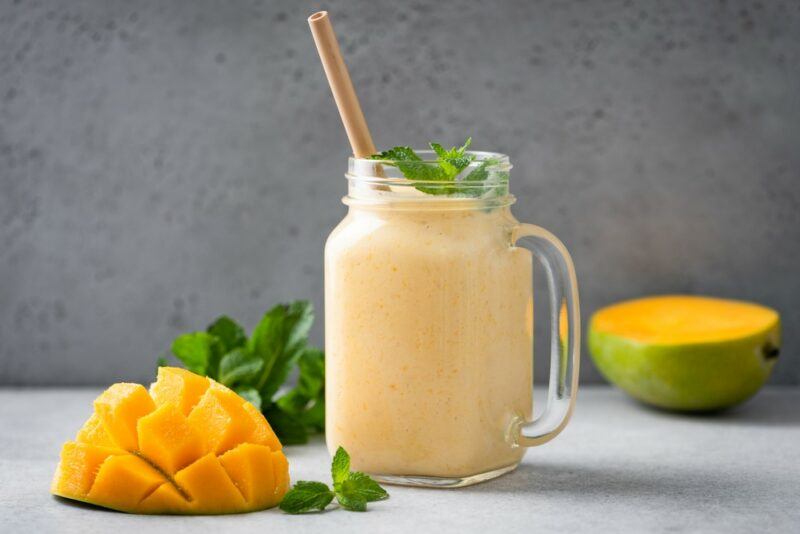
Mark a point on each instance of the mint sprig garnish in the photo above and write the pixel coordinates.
(449, 164)
(352, 490)
(256, 367)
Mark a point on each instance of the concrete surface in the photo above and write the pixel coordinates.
(162, 163)
(618, 467)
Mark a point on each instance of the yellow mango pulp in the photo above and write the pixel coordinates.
(189, 446)
(94, 433)
(223, 420)
(180, 387)
(168, 439)
(119, 408)
(683, 319)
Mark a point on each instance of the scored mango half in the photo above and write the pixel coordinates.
(189, 445)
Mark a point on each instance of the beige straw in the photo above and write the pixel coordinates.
(341, 86)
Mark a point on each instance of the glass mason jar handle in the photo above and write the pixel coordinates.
(565, 338)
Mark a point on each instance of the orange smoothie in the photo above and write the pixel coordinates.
(428, 317)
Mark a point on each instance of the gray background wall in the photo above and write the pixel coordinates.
(164, 162)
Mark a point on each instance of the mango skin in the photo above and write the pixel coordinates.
(687, 377)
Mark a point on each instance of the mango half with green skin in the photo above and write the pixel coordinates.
(686, 353)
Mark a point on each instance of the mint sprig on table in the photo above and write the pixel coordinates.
(448, 166)
(352, 489)
(257, 367)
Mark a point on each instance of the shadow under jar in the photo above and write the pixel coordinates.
(429, 327)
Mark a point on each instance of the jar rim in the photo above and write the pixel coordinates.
(364, 168)
(484, 179)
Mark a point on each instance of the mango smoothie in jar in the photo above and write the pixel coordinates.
(429, 325)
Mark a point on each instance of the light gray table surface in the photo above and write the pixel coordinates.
(618, 467)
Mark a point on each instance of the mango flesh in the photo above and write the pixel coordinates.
(188, 446)
(686, 353)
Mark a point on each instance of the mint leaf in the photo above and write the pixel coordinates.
(481, 172)
(279, 340)
(306, 400)
(410, 164)
(294, 402)
(398, 153)
(289, 428)
(480, 176)
(249, 394)
(161, 362)
(311, 380)
(351, 500)
(195, 350)
(230, 334)
(453, 161)
(363, 485)
(453, 152)
(239, 367)
(340, 466)
(314, 417)
(306, 497)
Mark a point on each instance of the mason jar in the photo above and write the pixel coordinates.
(429, 326)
